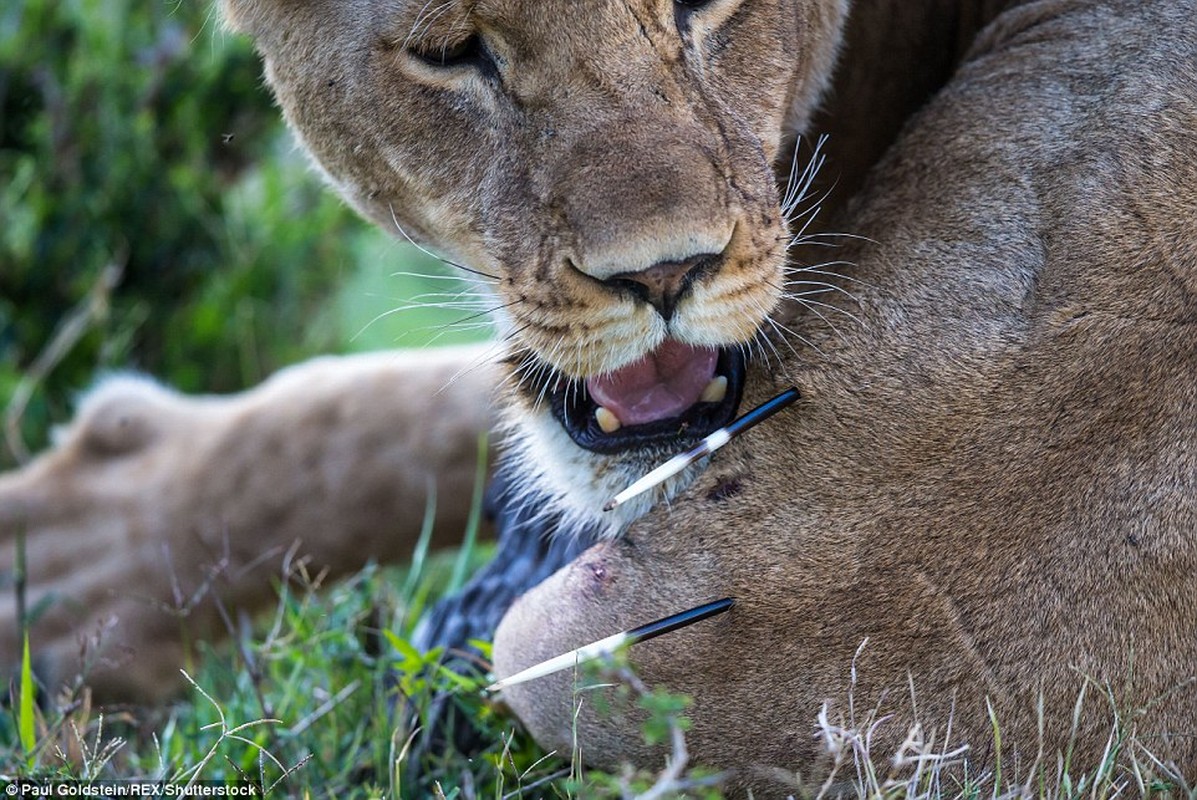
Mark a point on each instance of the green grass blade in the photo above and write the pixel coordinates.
(25, 722)
(471, 533)
(997, 748)
(420, 555)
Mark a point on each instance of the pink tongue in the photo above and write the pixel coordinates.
(660, 385)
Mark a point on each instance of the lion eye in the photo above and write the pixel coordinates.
(466, 53)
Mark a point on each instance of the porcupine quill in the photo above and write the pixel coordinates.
(704, 448)
(608, 645)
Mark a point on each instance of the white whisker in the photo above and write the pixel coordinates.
(426, 19)
(429, 253)
(488, 356)
(824, 288)
(784, 331)
(820, 269)
(798, 187)
(434, 277)
(829, 306)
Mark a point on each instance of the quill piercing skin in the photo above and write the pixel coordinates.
(607, 646)
(673, 466)
(707, 446)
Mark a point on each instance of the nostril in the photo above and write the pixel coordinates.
(665, 283)
(633, 287)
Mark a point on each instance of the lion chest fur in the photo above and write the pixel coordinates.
(993, 479)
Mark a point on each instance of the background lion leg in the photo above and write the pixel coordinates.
(151, 501)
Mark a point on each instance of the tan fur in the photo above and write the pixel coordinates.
(992, 477)
(151, 502)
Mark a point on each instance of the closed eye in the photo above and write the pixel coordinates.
(469, 52)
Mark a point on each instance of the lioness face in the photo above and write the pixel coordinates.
(607, 163)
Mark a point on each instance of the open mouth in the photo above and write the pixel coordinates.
(675, 395)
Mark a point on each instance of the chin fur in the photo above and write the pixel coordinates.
(579, 482)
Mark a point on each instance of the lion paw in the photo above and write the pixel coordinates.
(99, 516)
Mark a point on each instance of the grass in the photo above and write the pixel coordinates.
(321, 698)
(300, 704)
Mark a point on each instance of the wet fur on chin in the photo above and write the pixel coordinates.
(578, 482)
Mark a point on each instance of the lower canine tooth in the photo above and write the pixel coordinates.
(716, 390)
(607, 420)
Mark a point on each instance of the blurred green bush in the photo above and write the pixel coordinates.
(140, 133)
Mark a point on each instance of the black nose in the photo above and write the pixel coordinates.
(664, 284)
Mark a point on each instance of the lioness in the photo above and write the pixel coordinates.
(992, 477)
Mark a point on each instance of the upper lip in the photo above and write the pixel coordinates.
(574, 409)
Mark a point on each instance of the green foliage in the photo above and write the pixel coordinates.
(123, 126)
(321, 700)
(138, 133)
(665, 711)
